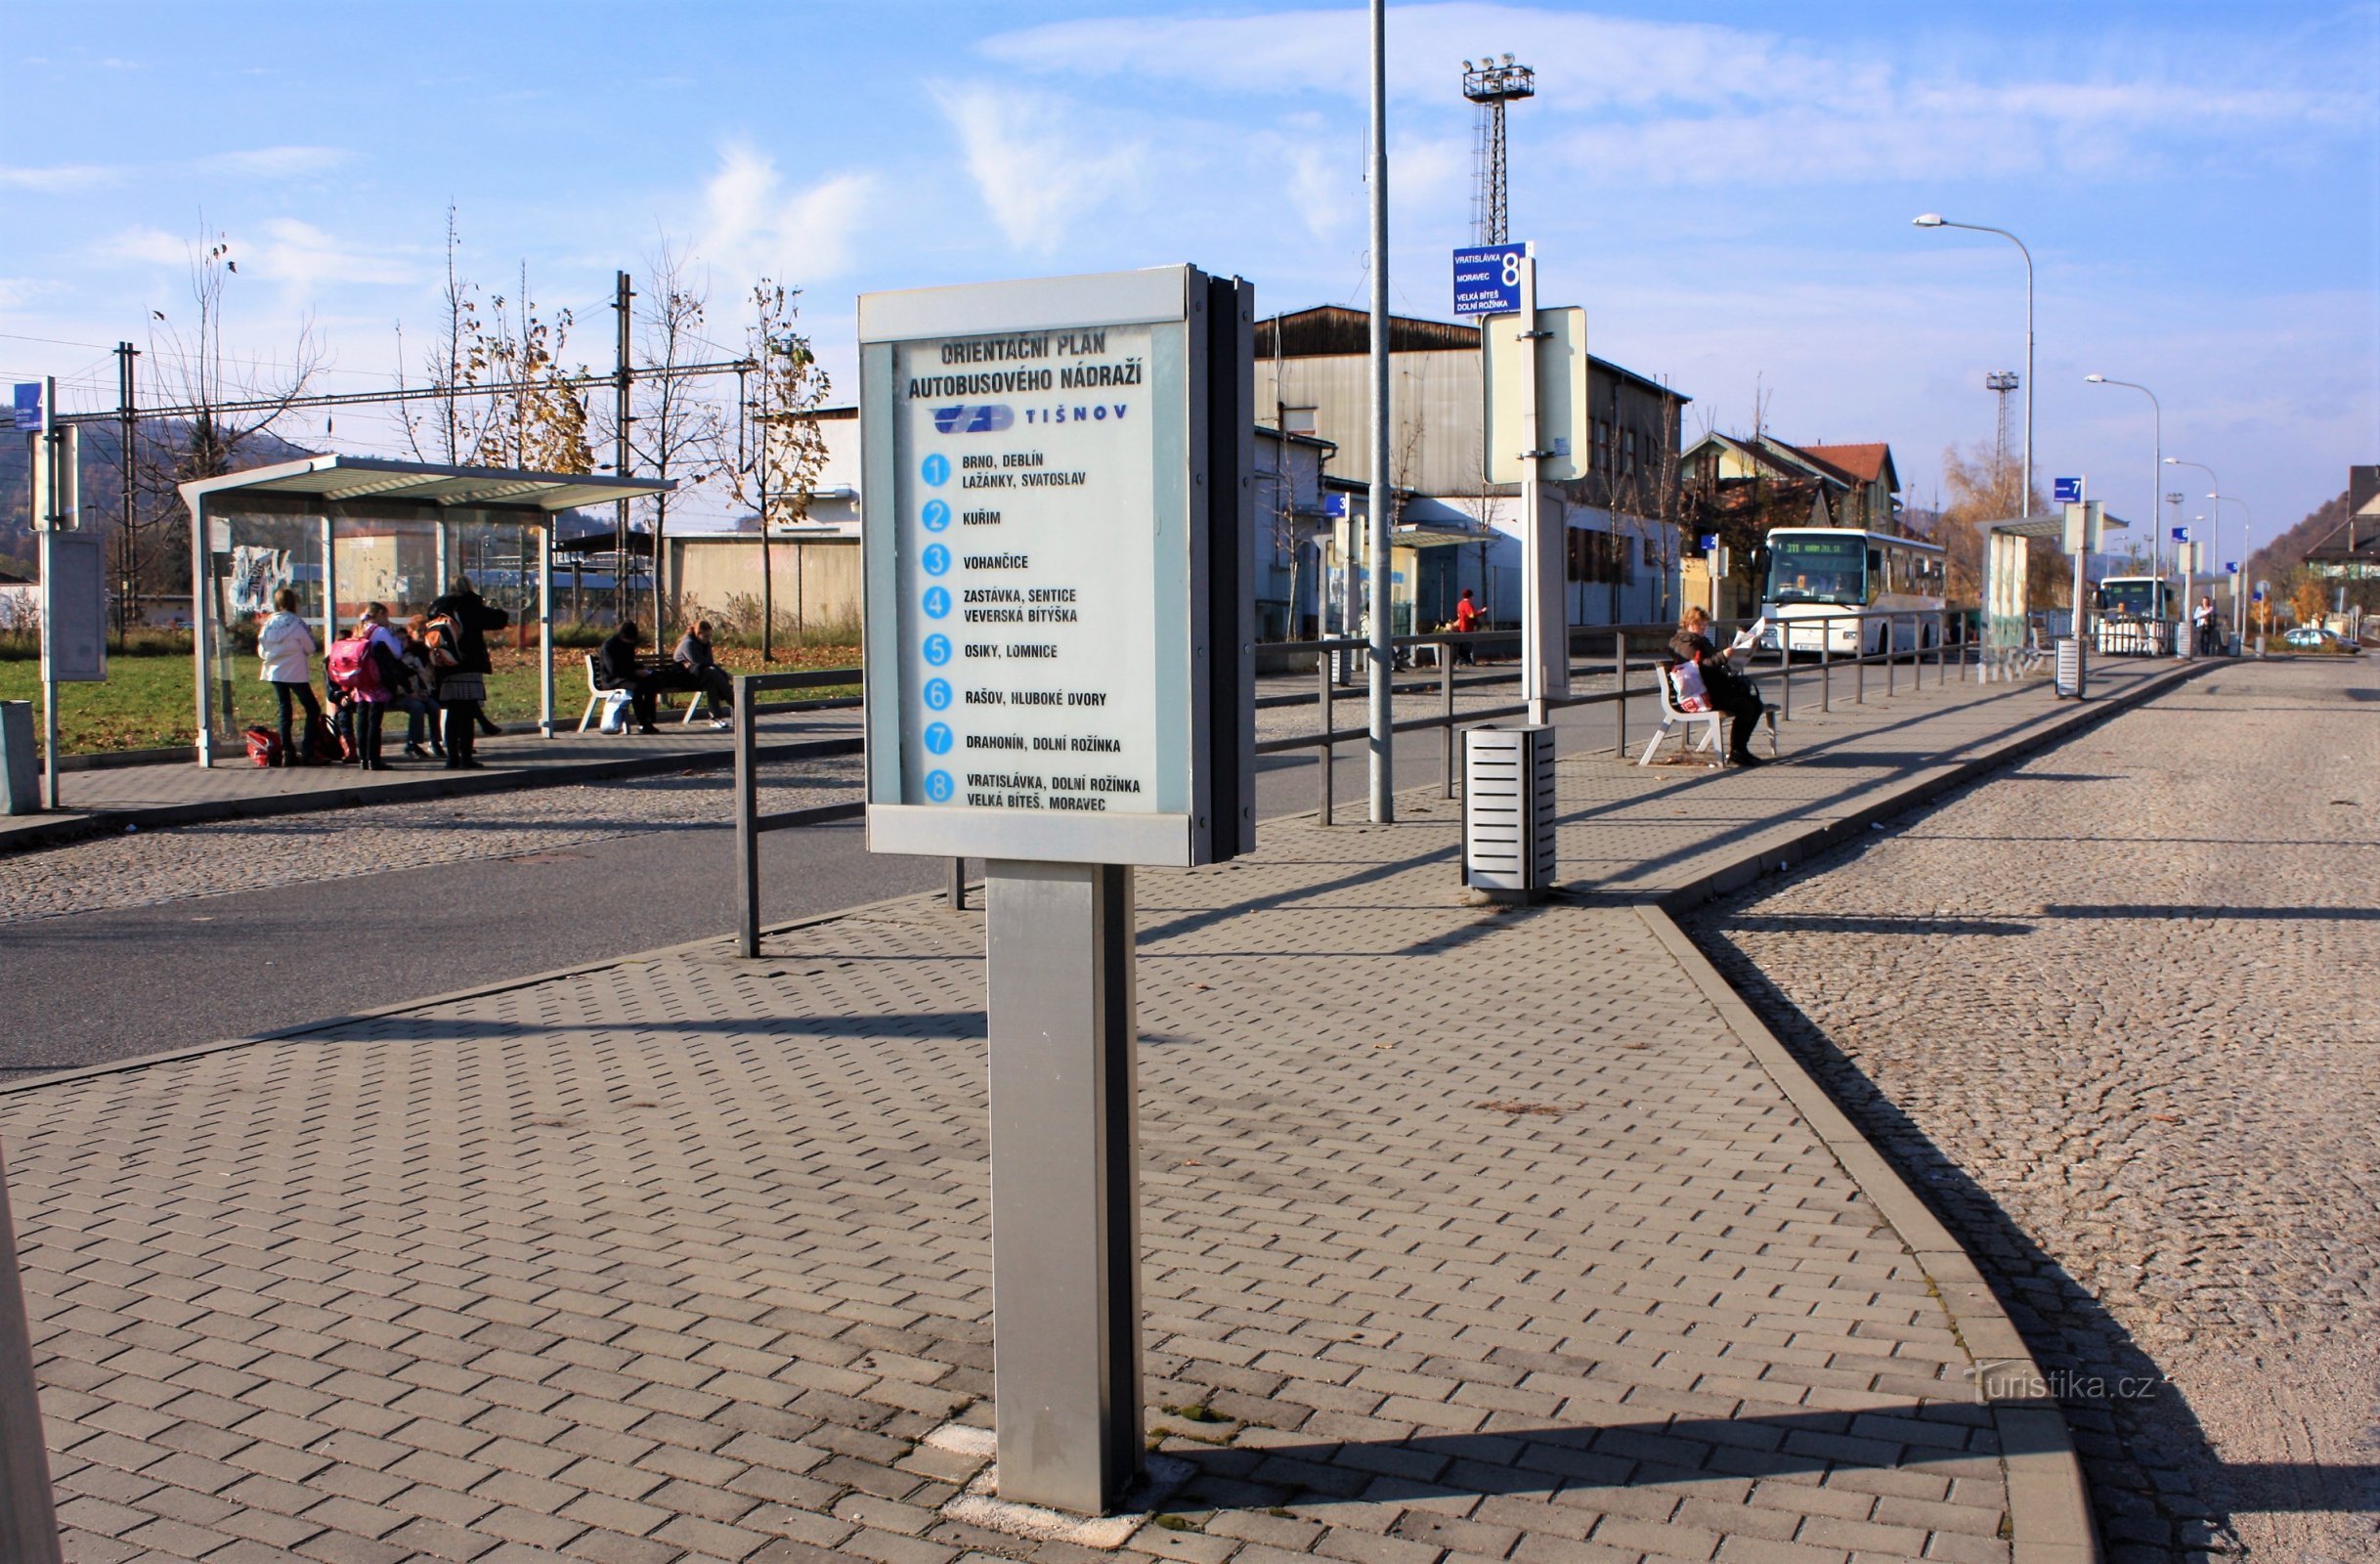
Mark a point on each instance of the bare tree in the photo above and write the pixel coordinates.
(188, 360)
(783, 473)
(678, 432)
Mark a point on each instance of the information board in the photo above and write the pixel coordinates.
(1488, 279)
(1057, 530)
(1557, 355)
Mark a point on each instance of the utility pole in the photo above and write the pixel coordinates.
(1383, 655)
(622, 291)
(127, 430)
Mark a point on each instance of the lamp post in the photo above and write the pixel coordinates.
(1937, 220)
(2156, 470)
(2239, 580)
(2213, 519)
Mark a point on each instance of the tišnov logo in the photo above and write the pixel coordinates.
(980, 418)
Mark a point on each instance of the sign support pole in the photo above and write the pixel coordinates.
(52, 490)
(1381, 747)
(1065, 1153)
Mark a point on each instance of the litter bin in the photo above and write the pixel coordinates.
(1508, 810)
(19, 765)
(2070, 665)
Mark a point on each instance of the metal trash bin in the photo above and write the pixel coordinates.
(1508, 810)
(20, 764)
(2071, 669)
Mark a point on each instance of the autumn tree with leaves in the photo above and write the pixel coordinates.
(782, 472)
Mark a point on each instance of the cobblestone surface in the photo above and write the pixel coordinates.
(2117, 1013)
(1473, 1234)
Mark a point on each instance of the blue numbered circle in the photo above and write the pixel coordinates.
(937, 649)
(937, 514)
(937, 737)
(937, 786)
(938, 694)
(936, 469)
(937, 559)
(937, 602)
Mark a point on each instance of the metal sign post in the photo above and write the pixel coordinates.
(1535, 386)
(1057, 534)
(73, 573)
(2083, 526)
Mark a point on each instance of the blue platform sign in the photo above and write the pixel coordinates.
(1488, 280)
(2069, 491)
(2230, 567)
(1334, 505)
(29, 404)
(2181, 535)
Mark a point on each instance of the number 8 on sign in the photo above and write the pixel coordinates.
(1512, 269)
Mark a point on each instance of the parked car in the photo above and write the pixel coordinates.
(2315, 638)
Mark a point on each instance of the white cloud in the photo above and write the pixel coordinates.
(1040, 162)
(306, 260)
(274, 162)
(753, 226)
(1696, 104)
(152, 247)
(60, 178)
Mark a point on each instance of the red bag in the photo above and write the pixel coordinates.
(264, 746)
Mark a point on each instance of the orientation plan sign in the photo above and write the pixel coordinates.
(1028, 557)
(1044, 597)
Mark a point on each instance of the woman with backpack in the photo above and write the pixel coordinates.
(366, 666)
(459, 657)
(287, 648)
(419, 699)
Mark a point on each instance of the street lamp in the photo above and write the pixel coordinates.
(2239, 582)
(2156, 475)
(1937, 220)
(2214, 522)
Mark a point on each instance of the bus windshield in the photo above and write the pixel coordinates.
(2131, 596)
(1813, 569)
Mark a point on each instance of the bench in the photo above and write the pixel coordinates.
(1713, 736)
(601, 692)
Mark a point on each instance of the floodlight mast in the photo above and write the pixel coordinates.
(1491, 85)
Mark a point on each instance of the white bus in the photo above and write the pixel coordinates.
(2135, 617)
(1813, 570)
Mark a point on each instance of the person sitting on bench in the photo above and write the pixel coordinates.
(621, 669)
(1729, 691)
(697, 669)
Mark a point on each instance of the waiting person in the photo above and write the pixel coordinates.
(1466, 619)
(472, 619)
(285, 645)
(617, 659)
(698, 670)
(1729, 691)
(369, 669)
(2203, 617)
(419, 699)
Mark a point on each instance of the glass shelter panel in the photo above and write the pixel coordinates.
(501, 559)
(249, 557)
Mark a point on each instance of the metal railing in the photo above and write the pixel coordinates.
(750, 822)
(1939, 633)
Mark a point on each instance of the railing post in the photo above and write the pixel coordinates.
(1859, 662)
(1826, 662)
(1784, 675)
(746, 822)
(1322, 756)
(1445, 692)
(955, 892)
(1620, 702)
(1893, 650)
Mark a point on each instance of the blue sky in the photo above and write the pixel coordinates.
(1729, 198)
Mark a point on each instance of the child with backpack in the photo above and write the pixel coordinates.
(366, 666)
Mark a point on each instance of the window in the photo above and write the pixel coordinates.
(1627, 452)
(1599, 557)
(1298, 420)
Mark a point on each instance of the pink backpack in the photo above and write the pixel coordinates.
(352, 669)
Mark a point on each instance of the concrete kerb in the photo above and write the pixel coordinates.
(40, 831)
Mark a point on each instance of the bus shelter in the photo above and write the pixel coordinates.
(345, 532)
(2008, 608)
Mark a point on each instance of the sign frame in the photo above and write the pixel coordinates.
(1203, 396)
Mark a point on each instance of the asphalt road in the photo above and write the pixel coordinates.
(90, 987)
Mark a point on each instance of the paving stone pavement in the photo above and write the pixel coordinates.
(1470, 1233)
(2116, 1012)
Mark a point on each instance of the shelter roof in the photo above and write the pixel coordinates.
(342, 479)
(2049, 524)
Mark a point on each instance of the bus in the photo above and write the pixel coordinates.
(2135, 616)
(1814, 571)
